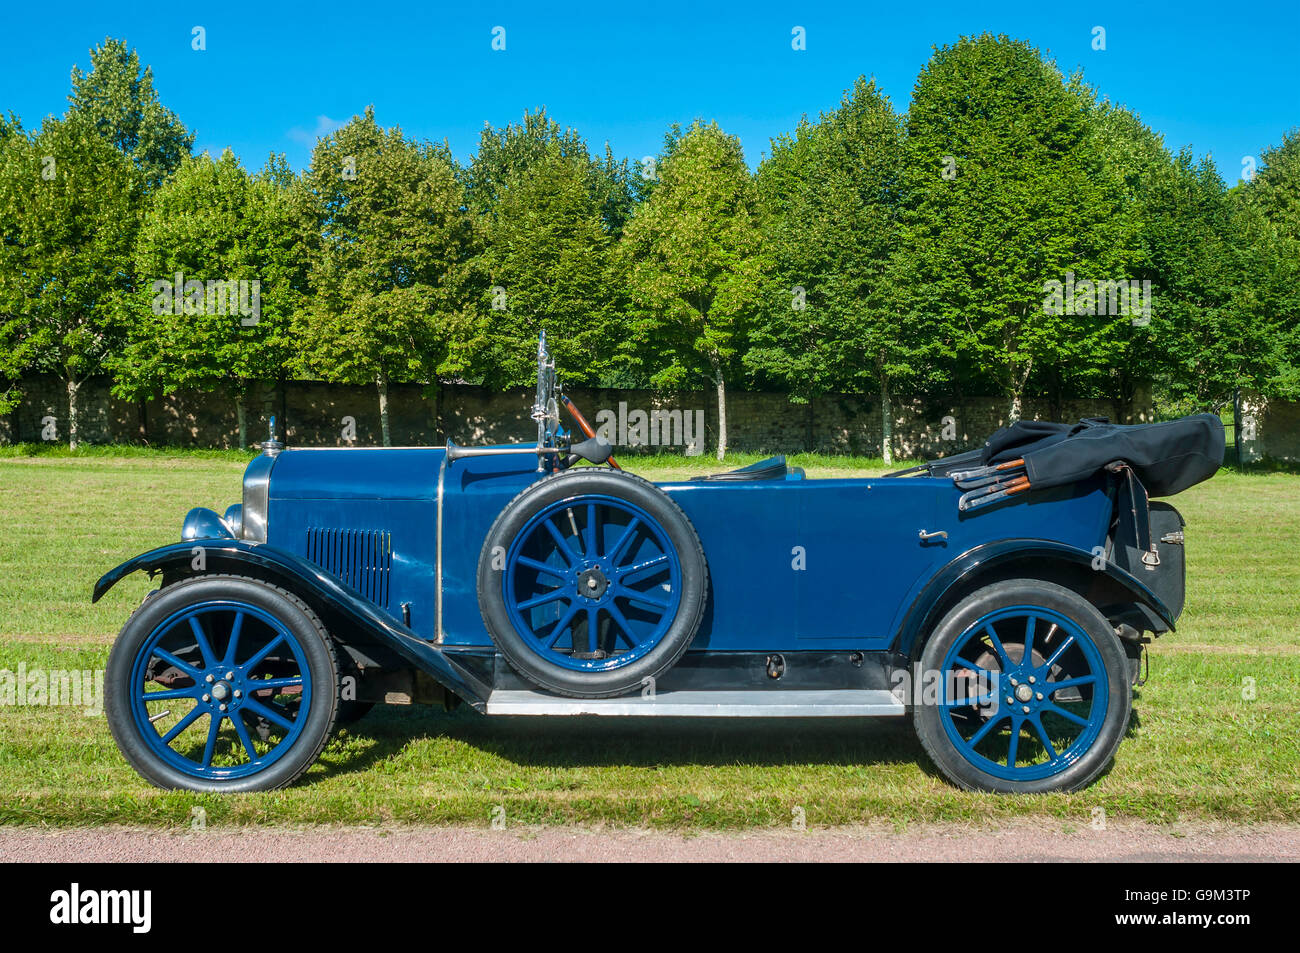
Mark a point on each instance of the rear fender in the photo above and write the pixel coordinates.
(310, 583)
(1119, 595)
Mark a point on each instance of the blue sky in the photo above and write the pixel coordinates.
(1222, 78)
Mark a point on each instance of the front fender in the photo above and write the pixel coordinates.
(965, 572)
(307, 580)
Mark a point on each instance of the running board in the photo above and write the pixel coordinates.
(829, 703)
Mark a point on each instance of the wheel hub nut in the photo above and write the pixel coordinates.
(1024, 693)
(592, 583)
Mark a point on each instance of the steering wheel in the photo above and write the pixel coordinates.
(585, 427)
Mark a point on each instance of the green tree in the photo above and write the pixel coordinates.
(545, 265)
(1275, 188)
(507, 153)
(221, 259)
(1270, 211)
(1002, 196)
(691, 259)
(389, 278)
(13, 359)
(69, 208)
(117, 98)
(829, 201)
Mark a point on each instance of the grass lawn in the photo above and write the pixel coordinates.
(1197, 749)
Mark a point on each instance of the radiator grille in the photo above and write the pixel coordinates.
(361, 558)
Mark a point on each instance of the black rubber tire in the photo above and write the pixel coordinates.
(929, 728)
(322, 661)
(681, 534)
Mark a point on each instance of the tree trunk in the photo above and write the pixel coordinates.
(241, 414)
(381, 382)
(722, 412)
(73, 387)
(886, 423)
(1018, 390)
(438, 436)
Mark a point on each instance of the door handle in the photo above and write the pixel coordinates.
(937, 534)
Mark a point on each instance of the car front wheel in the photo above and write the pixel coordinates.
(222, 683)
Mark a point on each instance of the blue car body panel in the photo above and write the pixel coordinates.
(395, 536)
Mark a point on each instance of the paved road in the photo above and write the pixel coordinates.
(1012, 842)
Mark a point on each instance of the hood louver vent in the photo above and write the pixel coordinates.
(361, 558)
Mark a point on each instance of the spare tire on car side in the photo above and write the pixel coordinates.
(591, 582)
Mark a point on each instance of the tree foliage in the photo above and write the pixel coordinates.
(1004, 192)
(546, 238)
(221, 265)
(691, 259)
(388, 278)
(1011, 233)
(68, 208)
(116, 96)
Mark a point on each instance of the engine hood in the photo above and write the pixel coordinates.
(364, 473)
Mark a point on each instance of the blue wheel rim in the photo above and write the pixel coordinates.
(592, 575)
(1039, 698)
(215, 653)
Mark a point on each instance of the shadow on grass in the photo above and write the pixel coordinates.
(580, 742)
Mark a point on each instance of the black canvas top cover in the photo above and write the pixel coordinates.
(1167, 457)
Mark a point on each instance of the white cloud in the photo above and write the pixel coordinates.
(324, 126)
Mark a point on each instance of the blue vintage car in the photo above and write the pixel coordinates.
(1002, 598)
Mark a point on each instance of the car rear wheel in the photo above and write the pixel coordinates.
(222, 683)
(592, 581)
(1029, 690)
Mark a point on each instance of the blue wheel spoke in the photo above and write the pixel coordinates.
(211, 746)
(257, 684)
(997, 647)
(1042, 736)
(565, 550)
(184, 723)
(593, 629)
(186, 667)
(235, 628)
(1066, 714)
(209, 659)
(561, 625)
(642, 566)
(1013, 748)
(270, 714)
(1028, 657)
(636, 596)
(986, 728)
(616, 553)
(242, 730)
(624, 628)
(263, 653)
(1060, 650)
(170, 694)
(1054, 687)
(589, 543)
(979, 669)
(968, 702)
(543, 567)
(543, 599)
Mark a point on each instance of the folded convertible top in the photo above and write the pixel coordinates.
(1167, 457)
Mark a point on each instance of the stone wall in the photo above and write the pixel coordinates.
(316, 414)
(1270, 429)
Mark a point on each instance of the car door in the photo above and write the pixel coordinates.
(863, 554)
